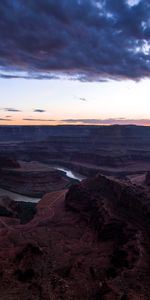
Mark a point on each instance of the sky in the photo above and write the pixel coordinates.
(74, 62)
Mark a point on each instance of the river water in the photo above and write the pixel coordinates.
(70, 174)
(18, 197)
(22, 198)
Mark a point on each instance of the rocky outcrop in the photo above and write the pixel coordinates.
(119, 213)
(122, 197)
(92, 243)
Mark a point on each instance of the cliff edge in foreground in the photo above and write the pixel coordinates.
(91, 242)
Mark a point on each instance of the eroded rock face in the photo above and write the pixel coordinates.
(32, 183)
(92, 244)
(123, 198)
(119, 213)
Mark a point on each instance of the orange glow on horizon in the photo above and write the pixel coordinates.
(25, 122)
(59, 122)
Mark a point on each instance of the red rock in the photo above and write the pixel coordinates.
(92, 245)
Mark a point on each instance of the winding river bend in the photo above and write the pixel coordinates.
(70, 174)
(22, 198)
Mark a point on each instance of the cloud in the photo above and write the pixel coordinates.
(86, 40)
(25, 75)
(37, 120)
(82, 99)
(39, 110)
(110, 121)
(12, 109)
(5, 119)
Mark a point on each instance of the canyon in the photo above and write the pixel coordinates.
(116, 150)
(85, 237)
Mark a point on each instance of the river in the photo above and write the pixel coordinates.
(70, 174)
(22, 198)
(18, 197)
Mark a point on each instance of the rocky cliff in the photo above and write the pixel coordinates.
(91, 242)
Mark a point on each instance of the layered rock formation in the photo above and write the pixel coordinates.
(31, 179)
(92, 243)
(115, 150)
(32, 183)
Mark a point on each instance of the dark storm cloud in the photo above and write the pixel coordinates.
(39, 110)
(111, 121)
(12, 109)
(84, 39)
